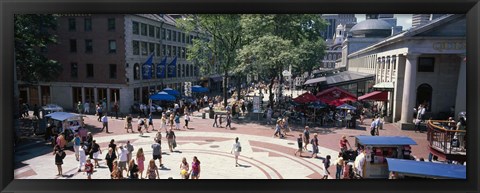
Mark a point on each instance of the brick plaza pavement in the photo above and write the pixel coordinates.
(262, 157)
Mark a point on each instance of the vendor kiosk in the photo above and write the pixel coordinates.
(400, 168)
(69, 124)
(378, 148)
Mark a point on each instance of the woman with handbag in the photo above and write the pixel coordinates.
(236, 149)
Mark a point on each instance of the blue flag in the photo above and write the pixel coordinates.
(147, 68)
(161, 68)
(172, 68)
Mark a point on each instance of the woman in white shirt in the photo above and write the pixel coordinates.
(236, 149)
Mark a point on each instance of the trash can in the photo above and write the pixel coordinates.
(211, 113)
(203, 115)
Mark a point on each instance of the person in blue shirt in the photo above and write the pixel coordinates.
(150, 122)
(177, 121)
(76, 145)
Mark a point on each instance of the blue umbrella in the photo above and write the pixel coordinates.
(170, 91)
(199, 89)
(162, 96)
(346, 106)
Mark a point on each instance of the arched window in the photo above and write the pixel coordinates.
(136, 71)
(424, 96)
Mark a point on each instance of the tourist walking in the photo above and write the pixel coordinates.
(177, 121)
(195, 170)
(89, 169)
(326, 165)
(152, 170)
(300, 145)
(59, 156)
(105, 123)
(132, 169)
(140, 161)
(116, 173)
(122, 158)
(150, 122)
(86, 107)
(187, 119)
(314, 143)
(236, 149)
(171, 140)
(99, 112)
(269, 114)
(140, 124)
(170, 121)
(76, 145)
(109, 158)
(306, 137)
(82, 158)
(229, 121)
(164, 122)
(95, 152)
(184, 167)
(339, 166)
(343, 144)
(79, 107)
(157, 152)
(113, 146)
(130, 150)
(278, 129)
(115, 109)
(215, 122)
(128, 123)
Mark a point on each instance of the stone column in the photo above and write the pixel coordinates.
(83, 95)
(461, 98)
(95, 98)
(108, 100)
(409, 87)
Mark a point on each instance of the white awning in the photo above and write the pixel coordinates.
(315, 80)
(383, 86)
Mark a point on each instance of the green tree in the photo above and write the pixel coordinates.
(219, 38)
(306, 47)
(32, 35)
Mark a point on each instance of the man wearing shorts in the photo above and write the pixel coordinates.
(123, 158)
(157, 152)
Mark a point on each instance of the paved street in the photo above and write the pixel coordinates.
(262, 156)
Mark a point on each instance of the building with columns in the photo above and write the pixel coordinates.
(102, 56)
(425, 65)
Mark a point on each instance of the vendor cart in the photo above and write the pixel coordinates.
(377, 149)
(70, 123)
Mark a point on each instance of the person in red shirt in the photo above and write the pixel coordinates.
(89, 168)
(343, 144)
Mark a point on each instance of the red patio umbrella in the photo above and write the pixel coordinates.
(305, 98)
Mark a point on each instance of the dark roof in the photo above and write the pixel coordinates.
(427, 169)
(372, 24)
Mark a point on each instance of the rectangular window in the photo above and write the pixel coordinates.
(157, 32)
(136, 47)
(143, 29)
(74, 70)
(151, 31)
(169, 34)
(72, 25)
(113, 71)
(186, 50)
(88, 46)
(112, 46)
(426, 64)
(179, 52)
(164, 50)
(169, 51)
(157, 49)
(144, 48)
(183, 37)
(174, 51)
(135, 27)
(136, 94)
(73, 45)
(183, 52)
(174, 36)
(151, 48)
(163, 34)
(88, 24)
(111, 24)
(179, 39)
(188, 39)
(89, 70)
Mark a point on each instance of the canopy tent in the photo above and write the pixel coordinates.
(375, 96)
(383, 86)
(305, 98)
(162, 96)
(346, 107)
(385, 140)
(335, 96)
(199, 89)
(170, 91)
(61, 116)
(315, 80)
(427, 169)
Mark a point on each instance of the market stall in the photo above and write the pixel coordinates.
(378, 149)
(69, 124)
(400, 168)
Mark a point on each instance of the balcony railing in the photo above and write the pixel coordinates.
(440, 136)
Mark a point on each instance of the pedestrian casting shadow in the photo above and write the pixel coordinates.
(191, 128)
(177, 151)
(244, 166)
(144, 136)
(165, 153)
(68, 176)
(164, 168)
(304, 156)
(233, 128)
(102, 167)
